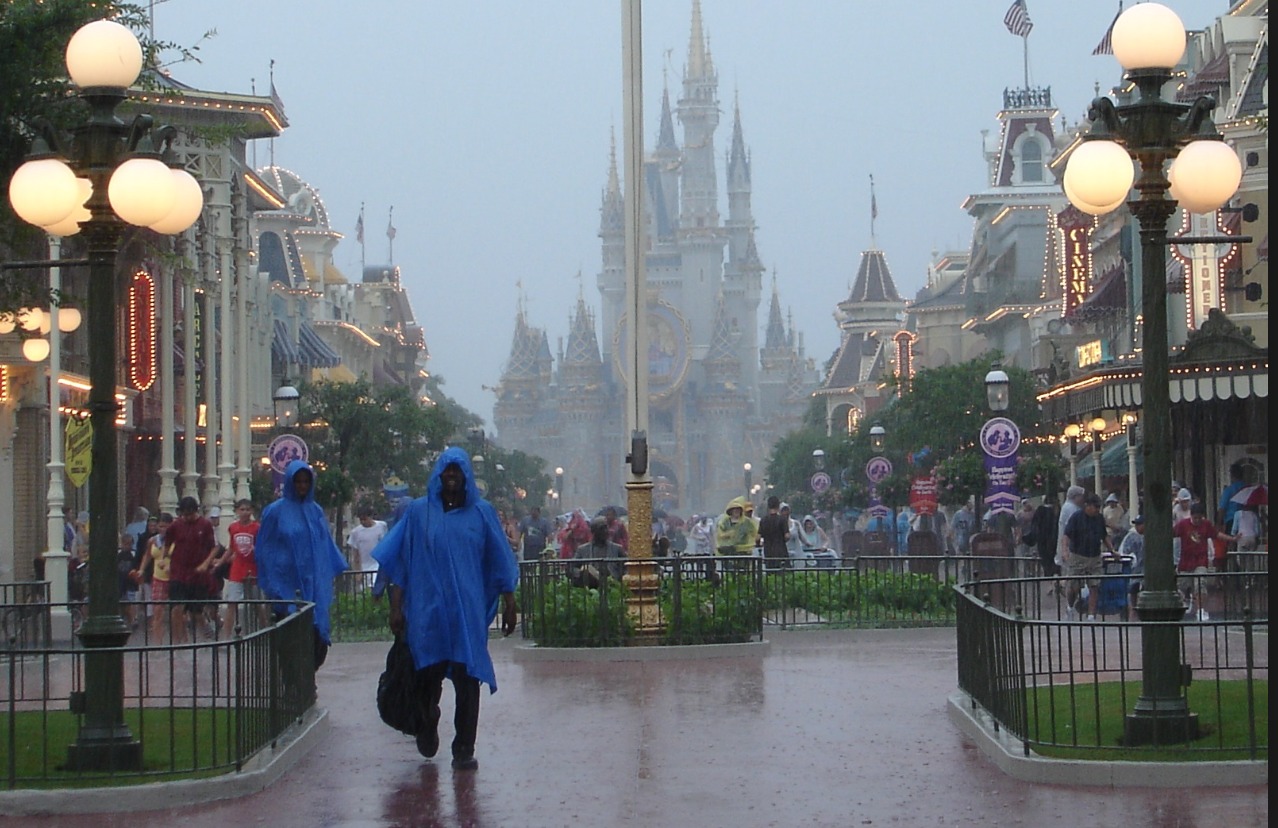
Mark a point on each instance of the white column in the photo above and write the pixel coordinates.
(243, 281)
(55, 557)
(190, 475)
(208, 334)
(168, 397)
(226, 468)
(1098, 449)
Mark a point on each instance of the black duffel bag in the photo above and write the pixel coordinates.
(397, 693)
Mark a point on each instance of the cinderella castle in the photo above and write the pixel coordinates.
(719, 396)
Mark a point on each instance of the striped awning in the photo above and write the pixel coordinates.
(1120, 388)
(315, 351)
(282, 346)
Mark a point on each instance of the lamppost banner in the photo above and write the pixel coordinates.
(877, 470)
(923, 494)
(1000, 439)
(283, 450)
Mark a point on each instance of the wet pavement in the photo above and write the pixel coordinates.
(841, 728)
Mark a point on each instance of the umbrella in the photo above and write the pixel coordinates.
(620, 510)
(657, 513)
(1257, 495)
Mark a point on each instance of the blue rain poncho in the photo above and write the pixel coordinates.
(295, 551)
(453, 568)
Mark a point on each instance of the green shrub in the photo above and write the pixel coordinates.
(704, 613)
(561, 615)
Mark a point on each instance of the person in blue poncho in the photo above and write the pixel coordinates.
(449, 564)
(296, 554)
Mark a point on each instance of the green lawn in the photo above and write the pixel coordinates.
(1099, 710)
(201, 745)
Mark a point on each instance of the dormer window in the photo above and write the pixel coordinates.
(1031, 162)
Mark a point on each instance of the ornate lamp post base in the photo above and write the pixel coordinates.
(642, 578)
(1161, 715)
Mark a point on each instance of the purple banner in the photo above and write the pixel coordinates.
(283, 450)
(1000, 438)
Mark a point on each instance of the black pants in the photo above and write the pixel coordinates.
(466, 690)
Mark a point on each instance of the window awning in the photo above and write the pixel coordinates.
(315, 351)
(1114, 462)
(282, 347)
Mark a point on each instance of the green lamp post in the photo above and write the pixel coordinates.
(1149, 41)
(109, 174)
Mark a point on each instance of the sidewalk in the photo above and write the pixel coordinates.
(843, 728)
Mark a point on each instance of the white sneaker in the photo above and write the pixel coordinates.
(1091, 618)
(1203, 616)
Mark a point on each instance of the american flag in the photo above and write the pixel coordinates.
(1106, 45)
(1017, 19)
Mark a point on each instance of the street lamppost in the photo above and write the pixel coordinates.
(128, 181)
(559, 488)
(877, 435)
(1097, 428)
(1149, 40)
(1072, 432)
(997, 388)
(285, 400)
(1133, 490)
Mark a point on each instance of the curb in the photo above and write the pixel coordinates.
(1007, 753)
(533, 653)
(260, 771)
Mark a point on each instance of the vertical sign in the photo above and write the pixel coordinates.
(1204, 266)
(923, 494)
(77, 449)
(1076, 229)
(1000, 438)
(142, 368)
(197, 341)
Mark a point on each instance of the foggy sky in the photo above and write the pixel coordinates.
(486, 125)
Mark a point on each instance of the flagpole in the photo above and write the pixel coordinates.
(1025, 54)
(874, 213)
(390, 232)
(362, 264)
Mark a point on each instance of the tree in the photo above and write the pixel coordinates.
(935, 424)
(361, 434)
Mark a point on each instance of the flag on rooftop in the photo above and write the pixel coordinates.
(359, 228)
(1106, 45)
(1017, 19)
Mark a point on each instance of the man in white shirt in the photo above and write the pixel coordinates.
(362, 540)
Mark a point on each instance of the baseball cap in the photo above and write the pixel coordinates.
(1183, 494)
(1139, 519)
(214, 512)
(1113, 498)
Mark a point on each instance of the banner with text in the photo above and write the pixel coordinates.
(1000, 439)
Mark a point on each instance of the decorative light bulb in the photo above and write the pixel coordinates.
(35, 350)
(43, 191)
(104, 53)
(141, 191)
(1204, 176)
(188, 202)
(1099, 173)
(1148, 36)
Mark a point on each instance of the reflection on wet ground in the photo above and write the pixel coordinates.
(832, 728)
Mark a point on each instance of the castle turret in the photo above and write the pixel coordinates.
(612, 275)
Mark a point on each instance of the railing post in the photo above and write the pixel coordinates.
(1249, 644)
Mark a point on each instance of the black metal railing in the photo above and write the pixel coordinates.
(583, 602)
(198, 708)
(1062, 685)
(24, 614)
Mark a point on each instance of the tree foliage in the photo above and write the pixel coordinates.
(361, 434)
(935, 424)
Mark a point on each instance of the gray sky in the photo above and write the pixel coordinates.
(485, 124)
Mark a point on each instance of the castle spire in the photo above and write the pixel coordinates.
(666, 144)
(699, 64)
(775, 336)
(614, 180)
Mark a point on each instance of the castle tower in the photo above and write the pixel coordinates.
(612, 275)
(701, 234)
